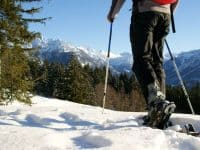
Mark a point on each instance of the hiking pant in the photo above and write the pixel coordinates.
(147, 33)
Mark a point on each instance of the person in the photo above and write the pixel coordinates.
(150, 24)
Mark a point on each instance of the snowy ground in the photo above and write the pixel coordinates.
(52, 124)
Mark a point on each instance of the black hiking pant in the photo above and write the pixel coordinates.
(147, 33)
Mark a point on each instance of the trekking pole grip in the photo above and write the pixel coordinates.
(172, 20)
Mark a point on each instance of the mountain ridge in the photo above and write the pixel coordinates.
(60, 51)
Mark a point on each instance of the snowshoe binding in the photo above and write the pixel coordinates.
(159, 114)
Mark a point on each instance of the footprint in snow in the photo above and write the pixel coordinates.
(92, 140)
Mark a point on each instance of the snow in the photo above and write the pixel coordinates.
(52, 124)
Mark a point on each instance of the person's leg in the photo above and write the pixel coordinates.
(159, 109)
(141, 36)
(161, 31)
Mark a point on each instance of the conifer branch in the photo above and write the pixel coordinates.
(31, 11)
(42, 20)
(28, 0)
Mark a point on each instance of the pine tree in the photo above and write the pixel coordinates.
(14, 35)
(194, 94)
(15, 78)
(61, 83)
(40, 78)
(98, 75)
(76, 85)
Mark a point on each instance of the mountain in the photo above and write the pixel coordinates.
(52, 124)
(188, 64)
(60, 51)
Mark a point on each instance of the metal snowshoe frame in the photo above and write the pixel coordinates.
(160, 114)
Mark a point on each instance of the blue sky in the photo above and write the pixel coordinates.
(84, 23)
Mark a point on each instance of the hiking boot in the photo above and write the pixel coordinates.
(154, 93)
(159, 113)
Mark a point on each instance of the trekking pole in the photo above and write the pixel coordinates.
(107, 67)
(115, 8)
(180, 79)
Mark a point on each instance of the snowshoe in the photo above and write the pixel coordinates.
(159, 114)
(189, 129)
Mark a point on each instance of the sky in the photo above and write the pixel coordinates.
(84, 23)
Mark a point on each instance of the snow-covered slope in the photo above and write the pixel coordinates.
(52, 124)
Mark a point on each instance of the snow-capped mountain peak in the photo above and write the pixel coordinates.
(49, 49)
